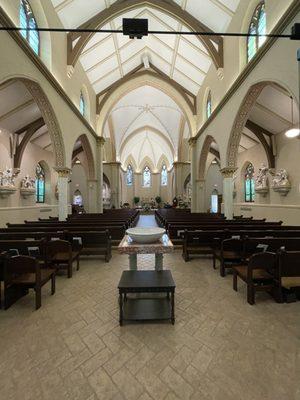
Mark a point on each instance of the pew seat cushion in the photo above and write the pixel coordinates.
(290, 281)
(258, 274)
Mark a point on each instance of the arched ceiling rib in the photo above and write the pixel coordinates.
(106, 58)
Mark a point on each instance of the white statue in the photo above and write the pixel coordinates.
(281, 179)
(7, 178)
(28, 182)
(261, 181)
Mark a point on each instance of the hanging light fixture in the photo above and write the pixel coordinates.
(293, 132)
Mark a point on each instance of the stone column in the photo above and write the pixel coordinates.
(92, 188)
(115, 183)
(228, 191)
(62, 188)
(201, 195)
(99, 175)
(193, 144)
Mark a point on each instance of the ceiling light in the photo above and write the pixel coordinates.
(77, 162)
(293, 132)
(135, 27)
(214, 161)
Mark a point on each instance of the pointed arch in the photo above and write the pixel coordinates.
(87, 149)
(146, 161)
(203, 156)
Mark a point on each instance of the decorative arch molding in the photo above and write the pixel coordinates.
(130, 161)
(137, 80)
(146, 161)
(87, 149)
(163, 161)
(151, 129)
(242, 118)
(203, 156)
(213, 44)
(49, 118)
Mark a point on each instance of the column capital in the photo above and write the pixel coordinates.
(201, 183)
(192, 141)
(178, 163)
(228, 172)
(113, 163)
(100, 141)
(63, 172)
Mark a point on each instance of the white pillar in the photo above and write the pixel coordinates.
(115, 183)
(228, 191)
(62, 188)
(99, 175)
(201, 195)
(92, 186)
(193, 144)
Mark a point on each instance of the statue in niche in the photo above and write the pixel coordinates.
(7, 178)
(261, 181)
(28, 182)
(281, 179)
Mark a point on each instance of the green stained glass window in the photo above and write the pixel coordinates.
(39, 184)
(249, 184)
(258, 26)
(27, 20)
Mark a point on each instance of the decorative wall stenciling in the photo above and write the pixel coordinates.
(281, 183)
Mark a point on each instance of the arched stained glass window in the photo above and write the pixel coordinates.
(208, 106)
(77, 198)
(164, 176)
(129, 176)
(258, 26)
(82, 107)
(146, 177)
(27, 20)
(39, 184)
(249, 184)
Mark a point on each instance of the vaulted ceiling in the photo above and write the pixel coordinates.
(106, 58)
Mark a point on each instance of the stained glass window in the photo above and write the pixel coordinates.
(146, 177)
(39, 184)
(249, 184)
(208, 106)
(27, 20)
(164, 176)
(129, 176)
(77, 198)
(82, 104)
(258, 26)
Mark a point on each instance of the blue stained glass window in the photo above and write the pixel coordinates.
(249, 184)
(208, 106)
(164, 176)
(146, 177)
(27, 20)
(39, 184)
(82, 104)
(258, 26)
(129, 176)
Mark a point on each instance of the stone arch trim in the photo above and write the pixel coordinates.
(203, 156)
(168, 7)
(50, 120)
(87, 149)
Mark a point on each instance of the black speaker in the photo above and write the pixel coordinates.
(296, 32)
(135, 28)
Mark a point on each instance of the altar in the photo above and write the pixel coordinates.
(159, 248)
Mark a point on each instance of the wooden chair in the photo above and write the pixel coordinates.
(259, 274)
(22, 273)
(60, 254)
(288, 271)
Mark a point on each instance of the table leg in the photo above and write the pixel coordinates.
(121, 308)
(159, 259)
(133, 262)
(172, 308)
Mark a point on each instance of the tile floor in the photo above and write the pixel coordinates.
(219, 349)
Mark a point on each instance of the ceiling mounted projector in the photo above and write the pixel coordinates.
(135, 28)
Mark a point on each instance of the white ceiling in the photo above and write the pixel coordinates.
(146, 110)
(108, 57)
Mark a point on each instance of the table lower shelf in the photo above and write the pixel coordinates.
(140, 309)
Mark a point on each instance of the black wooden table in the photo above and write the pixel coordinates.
(147, 308)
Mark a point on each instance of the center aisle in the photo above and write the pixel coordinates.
(147, 221)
